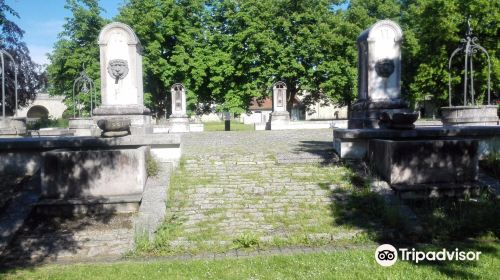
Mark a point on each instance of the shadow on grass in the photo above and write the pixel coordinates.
(466, 224)
(49, 230)
(443, 220)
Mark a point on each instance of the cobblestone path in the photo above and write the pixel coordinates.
(267, 187)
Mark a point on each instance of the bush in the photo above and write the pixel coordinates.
(152, 167)
(46, 122)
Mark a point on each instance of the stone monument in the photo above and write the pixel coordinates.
(178, 120)
(414, 161)
(280, 115)
(379, 102)
(122, 96)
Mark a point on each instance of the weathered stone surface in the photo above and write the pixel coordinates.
(425, 161)
(353, 143)
(93, 173)
(470, 115)
(379, 102)
(121, 78)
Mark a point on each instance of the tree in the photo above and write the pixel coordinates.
(175, 48)
(77, 50)
(433, 29)
(28, 74)
(302, 43)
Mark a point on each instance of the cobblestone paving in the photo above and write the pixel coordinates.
(46, 239)
(235, 189)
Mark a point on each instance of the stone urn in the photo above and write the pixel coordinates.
(114, 127)
(398, 120)
(469, 115)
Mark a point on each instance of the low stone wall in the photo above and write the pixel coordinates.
(353, 143)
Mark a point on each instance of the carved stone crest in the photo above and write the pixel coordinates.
(118, 69)
(384, 67)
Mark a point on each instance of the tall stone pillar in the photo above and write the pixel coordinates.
(379, 102)
(122, 93)
(279, 115)
(179, 121)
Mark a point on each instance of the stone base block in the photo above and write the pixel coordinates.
(100, 206)
(425, 191)
(12, 127)
(414, 162)
(82, 126)
(51, 132)
(279, 120)
(196, 127)
(179, 123)
(353, 149)
(93, 174)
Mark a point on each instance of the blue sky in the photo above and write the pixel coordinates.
(42, 20)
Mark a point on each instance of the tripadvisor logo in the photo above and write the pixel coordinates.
(387, 255)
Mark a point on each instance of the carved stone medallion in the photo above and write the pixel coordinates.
(118, 69)
(384, 67)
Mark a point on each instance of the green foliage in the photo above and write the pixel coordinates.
(433, 29)
(152, 167)
(47, 122)
(246, 240)
(348, 263)
(77, 50)
(228, 52)
(491, 164)
(29, 77)
(452, 219)
(219, 126)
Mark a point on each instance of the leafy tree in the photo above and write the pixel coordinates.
(175, 48)
(303, 43)
(433, 29)
(28, 74)
(77, 50)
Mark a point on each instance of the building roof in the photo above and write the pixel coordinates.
(261, 104)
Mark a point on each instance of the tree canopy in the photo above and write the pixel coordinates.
(77, 50)
(228, 52)
(29, 78)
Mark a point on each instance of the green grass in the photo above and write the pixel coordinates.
(345, 264)
(235, 126)
(302, 217)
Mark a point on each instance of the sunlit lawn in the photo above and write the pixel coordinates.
(348, 264)
(235, 126)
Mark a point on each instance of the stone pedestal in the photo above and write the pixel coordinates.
(74, 175)
(178, 120)
(412, 162)
(82, 126)
(179, 123)
(122, 93)
(280, 116)
(12, 127)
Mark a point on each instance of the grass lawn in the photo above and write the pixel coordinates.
(235, 126)
(348, 264)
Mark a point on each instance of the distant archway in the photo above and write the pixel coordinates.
(38, 112)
